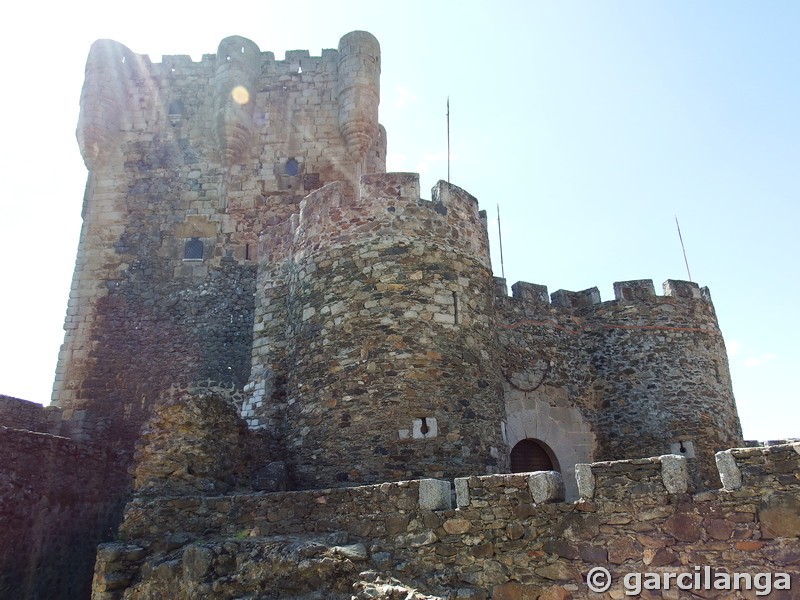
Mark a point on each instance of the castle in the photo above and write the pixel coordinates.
(242, 244)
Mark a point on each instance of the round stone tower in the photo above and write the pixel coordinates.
(660, 373)
(392, 337)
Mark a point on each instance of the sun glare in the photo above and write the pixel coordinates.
(240, 94)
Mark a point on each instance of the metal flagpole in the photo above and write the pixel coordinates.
(448, 139)
(680, 237)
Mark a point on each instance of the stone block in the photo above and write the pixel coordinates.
(434, 494)
(462, 491)
(674, 473)
(546, 486)
(586, 481)
(729, 472)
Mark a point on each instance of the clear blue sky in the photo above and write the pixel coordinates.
(592, 124)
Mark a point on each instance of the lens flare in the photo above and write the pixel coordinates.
(240, 94)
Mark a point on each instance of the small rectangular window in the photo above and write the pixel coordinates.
(193, 250)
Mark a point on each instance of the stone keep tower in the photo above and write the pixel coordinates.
(188, 162)
(378, 315)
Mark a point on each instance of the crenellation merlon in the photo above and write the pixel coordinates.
(530, 292)
(760, 468)
(500, 287)
(639, 289)
(567, 299)
(682, 289)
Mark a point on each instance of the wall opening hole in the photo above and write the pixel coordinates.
(533, 455)
(193, 249)
(175, 111)
(292, 167)
(424, 428)
(242, 49)
(455, 308)
(683, 448)
(247, 251)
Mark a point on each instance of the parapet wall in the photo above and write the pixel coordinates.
(59, 499)
(649, 374)
(500, 541)
(23, 414)
(389, 205)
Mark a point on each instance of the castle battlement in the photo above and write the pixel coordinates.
(388, 211)
(638, 290)
(378, 509)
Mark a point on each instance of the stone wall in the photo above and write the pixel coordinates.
(188, 162)
(507, 536)
(23, 414)
(58, 499)
(636, 376)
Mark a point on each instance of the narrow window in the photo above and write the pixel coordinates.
(247, 251)
(292, 167)
(424, 427)
(193, 250)
(455, 308)
(175, 111)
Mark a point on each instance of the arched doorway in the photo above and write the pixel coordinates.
(533, 455)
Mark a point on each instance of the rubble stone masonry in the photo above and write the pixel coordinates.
(501, 538)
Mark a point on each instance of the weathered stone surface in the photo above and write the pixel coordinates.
(514, 590)
(457, 526)
(658, 557)
(546, 486)
(461, 485)
(674, 473)
(684, 526)
(719, 529)
(356, 552)
(558, 571)
(555, 592)
(192, 444)
(434, 494)
(622, 549)
(586, 482)
(729, 472)
(60, 497)
(270, 478)
(779, 514)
